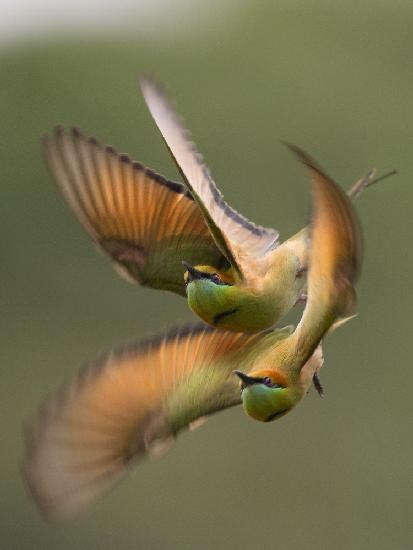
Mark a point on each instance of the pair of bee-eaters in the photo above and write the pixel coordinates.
(237, 277)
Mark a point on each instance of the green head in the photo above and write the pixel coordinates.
(211, 293)
(266, 394)
(216, 297)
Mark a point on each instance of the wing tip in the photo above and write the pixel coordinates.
(59, 133)
(125, 158)
(147, 82)
(29, 471)
(304, 157)
(58, 493)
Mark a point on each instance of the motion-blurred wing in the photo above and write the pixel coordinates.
(236, 236)
(335, 258)
(129, 404)
(146, 223)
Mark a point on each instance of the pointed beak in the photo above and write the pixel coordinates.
(193, 273)
(245, 379)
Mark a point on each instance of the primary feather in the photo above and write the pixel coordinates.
(128, 404)
(132, 402)
(144, 222)
(237, 237)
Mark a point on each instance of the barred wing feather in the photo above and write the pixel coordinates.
(129, 404)
(236, 237)
(144, 222)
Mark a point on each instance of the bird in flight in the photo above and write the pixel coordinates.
(181, 237)
(132, 402)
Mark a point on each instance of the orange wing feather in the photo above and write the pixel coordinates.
(146, 223)
(335, 259)
(128, 404)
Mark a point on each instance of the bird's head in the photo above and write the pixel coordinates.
(212, 294)
(206, 274)
(266, 394)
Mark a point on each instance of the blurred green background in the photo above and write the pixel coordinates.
(335, 78)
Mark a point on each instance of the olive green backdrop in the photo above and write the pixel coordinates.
(335, 78)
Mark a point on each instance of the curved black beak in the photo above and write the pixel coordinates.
(193, 273)
(245, 379)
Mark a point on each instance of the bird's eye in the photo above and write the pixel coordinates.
(215, 278)
(268, 382)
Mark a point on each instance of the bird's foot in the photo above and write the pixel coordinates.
(366, 181)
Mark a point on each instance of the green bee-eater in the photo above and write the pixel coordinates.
(133, 402)
(239, 277)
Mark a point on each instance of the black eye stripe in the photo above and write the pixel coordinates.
(216, 279)
(262, 381)
(213, 277)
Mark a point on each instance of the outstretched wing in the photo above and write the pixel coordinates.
(335, 259)
(236, 237)
(146, 223)
(129, 404)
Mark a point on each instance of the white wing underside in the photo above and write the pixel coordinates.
(243, 237)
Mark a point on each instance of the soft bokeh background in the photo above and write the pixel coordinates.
(333, 77)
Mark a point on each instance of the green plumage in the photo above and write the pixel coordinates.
(149, 225)
(133, 402)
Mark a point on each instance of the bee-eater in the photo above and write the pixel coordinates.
(132, 402)
(238, 276)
